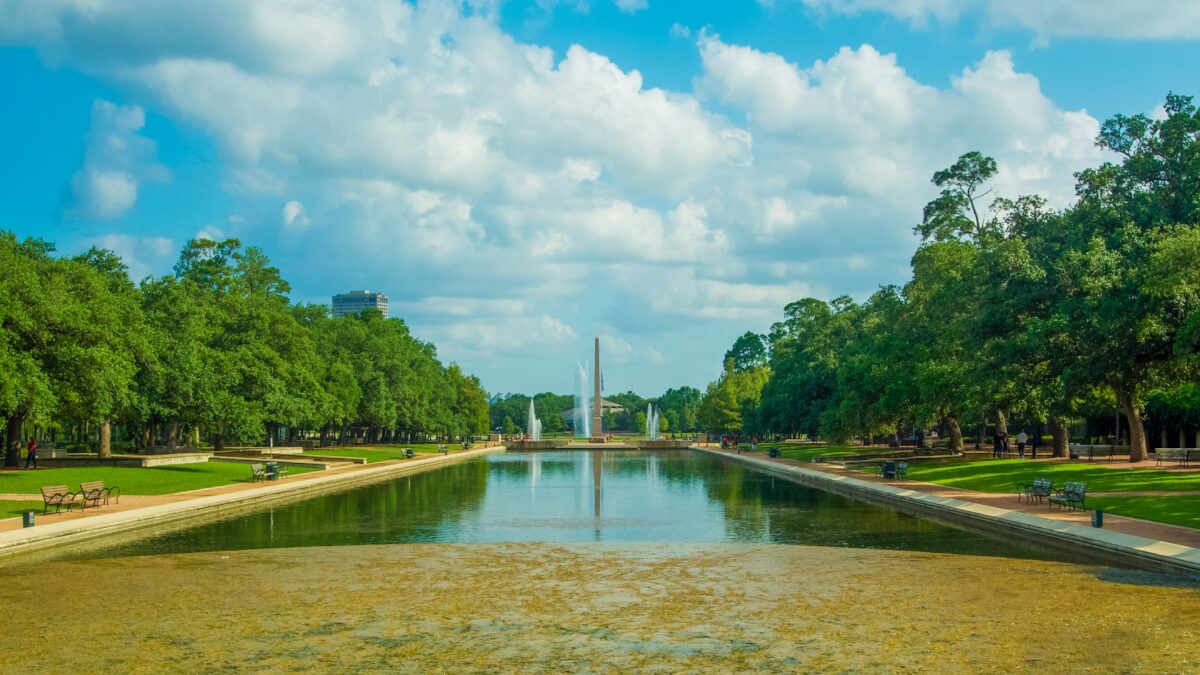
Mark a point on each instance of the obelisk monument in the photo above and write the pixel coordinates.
(597, 430)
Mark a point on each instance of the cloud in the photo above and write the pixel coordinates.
(294, 216)
(631, 6)
(506, 195)
(115, 159)
(1121, 19)
(145, 256)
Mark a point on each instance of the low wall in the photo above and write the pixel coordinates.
(661, 445)
(302, 463)
(137, 523)
(85, 459)
(1108, 546)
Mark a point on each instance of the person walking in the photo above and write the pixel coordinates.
(31, 453)
(996, 440)
(1022, 439)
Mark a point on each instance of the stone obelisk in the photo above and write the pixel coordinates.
(597, 431)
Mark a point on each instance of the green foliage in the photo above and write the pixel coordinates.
(1012, 310)
(216, 350)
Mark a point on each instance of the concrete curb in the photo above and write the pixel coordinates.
(15, 542)
(1114, 547)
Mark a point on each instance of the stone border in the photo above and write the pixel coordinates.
(1116, 547)
(15, 542)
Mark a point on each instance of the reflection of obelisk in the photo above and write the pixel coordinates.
(597, 432)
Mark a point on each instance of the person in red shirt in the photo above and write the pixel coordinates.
(31, 454)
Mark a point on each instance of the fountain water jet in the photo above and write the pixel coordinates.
(533, 426)
(583, 426)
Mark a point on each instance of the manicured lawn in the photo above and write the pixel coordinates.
(1003, 475)
(806, 453)
(382, 453)
(159, 480)
(13, 509)
(1183, 510)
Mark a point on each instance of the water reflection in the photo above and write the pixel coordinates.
(668, 496)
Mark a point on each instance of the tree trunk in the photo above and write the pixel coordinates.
(1182, 440)
(12, 445)
(324, 435)
(1001, 423)
(147, 436)
(173, 435)
(980, 432)
(1137, 430)
(106, 438)
(956, 441)
(1058, 431)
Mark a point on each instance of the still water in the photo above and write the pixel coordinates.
(578, 496)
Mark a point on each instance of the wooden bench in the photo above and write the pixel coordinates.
(94, 492)
(1040, 489)
(59, 496)
(258, 472)
(1071, 495)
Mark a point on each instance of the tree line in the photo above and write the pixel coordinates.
(215, 352)
(677, 409)
(1013, 309)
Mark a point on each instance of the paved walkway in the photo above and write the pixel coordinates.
(1185, 536)
(134, 502)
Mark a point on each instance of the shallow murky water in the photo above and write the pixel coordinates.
(587, 562)
(594, 608)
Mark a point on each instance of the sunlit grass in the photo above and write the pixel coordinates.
(1183, 510)
(1004, 475)
(157, 480)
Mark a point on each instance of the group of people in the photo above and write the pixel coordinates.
(1000, 444)
(736, 442)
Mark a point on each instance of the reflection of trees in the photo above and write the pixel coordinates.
(408, 509)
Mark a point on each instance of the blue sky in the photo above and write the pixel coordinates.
(521, 176)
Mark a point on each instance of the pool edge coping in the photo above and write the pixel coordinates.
(40, 537)
(1142, 552)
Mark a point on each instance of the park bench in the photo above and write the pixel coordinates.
(445, 450)
(1040, 489)
(94, 492)
(258, 472)
(1181, 455)
(901, 470)
(1071, 496)
(59, 496)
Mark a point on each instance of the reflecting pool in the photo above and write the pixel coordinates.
(579, 496)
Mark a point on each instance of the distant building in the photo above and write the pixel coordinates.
(356, 301)
(606, 406)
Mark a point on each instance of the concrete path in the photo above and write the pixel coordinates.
(1184, 536)
(136, 511)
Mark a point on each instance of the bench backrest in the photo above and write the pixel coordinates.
(52, 490)
(1075, 489)
(1042, 484)
(92, 486)
(258, 467)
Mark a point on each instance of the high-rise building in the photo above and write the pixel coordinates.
(356, 301)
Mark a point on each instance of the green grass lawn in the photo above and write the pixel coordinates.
(806, 453)
(382, 453)
(1182, 510)
(1003, 475)
(159, 480)
(372, 455)
(13, 509)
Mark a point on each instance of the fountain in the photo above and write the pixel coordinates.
(533, 426)
(651, 422)
(583, 427)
